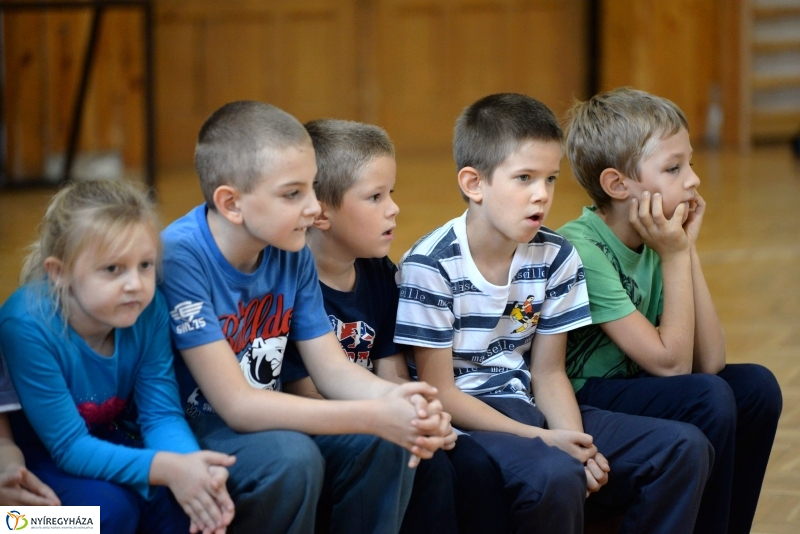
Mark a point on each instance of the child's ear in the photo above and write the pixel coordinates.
(471, 184)
(321, 221)
(226, 200)
(54, 269)
(614, 184)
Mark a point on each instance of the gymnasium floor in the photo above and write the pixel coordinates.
(750, 248)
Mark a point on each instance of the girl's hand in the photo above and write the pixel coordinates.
(198, 485)
(20, 486)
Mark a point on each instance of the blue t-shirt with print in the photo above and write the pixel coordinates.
(363, 319)
(256, 313)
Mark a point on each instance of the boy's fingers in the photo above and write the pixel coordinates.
(420, 405)
(422, 388)
(413, 461)
(599, 475)
(602, 462)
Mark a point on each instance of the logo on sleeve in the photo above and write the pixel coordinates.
(184, 314)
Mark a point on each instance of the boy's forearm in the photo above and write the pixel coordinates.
(469, 413)
(677, 320)
(555, 398)
(435, 366)
(272, 410)
(348, 381)
(709, 338)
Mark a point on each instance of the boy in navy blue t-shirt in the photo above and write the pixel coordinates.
(457, 491)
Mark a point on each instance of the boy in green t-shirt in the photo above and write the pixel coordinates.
(652, 314)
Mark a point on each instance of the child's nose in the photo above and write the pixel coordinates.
(394, 209)
(133, 281)
(539, 193)
(694, 180)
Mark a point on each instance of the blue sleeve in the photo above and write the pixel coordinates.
(29, 348)
(163, 425)
(309, 318)
(187, 290)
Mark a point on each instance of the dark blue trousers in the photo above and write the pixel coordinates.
(482, 505)
(458, 491)
(658, 472)
(737, 410)
(122, 510)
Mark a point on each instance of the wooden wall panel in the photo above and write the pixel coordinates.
(298, 56)
(44, 53)
(436, 57)
(681, 50)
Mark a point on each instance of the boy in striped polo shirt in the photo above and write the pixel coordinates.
(487, 300)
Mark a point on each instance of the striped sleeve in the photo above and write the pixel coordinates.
(425, 311)
(566, 303)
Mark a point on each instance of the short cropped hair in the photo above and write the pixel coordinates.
(239, 142)
(616, 130)
(343, 149)
(489, 130)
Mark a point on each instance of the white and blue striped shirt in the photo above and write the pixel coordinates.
(445, 302)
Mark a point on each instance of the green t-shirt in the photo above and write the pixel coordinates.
(619, 281)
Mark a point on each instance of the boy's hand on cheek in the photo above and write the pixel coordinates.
(665, 236)
(695, 219)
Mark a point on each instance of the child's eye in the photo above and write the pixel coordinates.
(375, 198)
(292, 194)
(552, 179)
(524, 177)
(111, 269)
(674, 169)
(147, 264)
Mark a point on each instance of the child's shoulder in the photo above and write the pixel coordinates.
(441, 244)
(187, 228)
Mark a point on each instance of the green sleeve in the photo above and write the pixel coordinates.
(608, 300)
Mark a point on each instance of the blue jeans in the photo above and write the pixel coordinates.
(738, 411)
(279, 476)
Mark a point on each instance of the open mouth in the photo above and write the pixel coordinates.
(536, 218)
(389, 232)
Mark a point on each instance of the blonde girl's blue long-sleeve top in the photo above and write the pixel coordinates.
(70, 394)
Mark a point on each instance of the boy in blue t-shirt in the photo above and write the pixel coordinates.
(457, 491)
(240, 283)
(487, 301)
(656, 346)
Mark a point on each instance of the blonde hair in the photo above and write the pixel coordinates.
(85, 214)
(617, 130)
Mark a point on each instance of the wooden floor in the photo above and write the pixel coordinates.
(750, 247)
